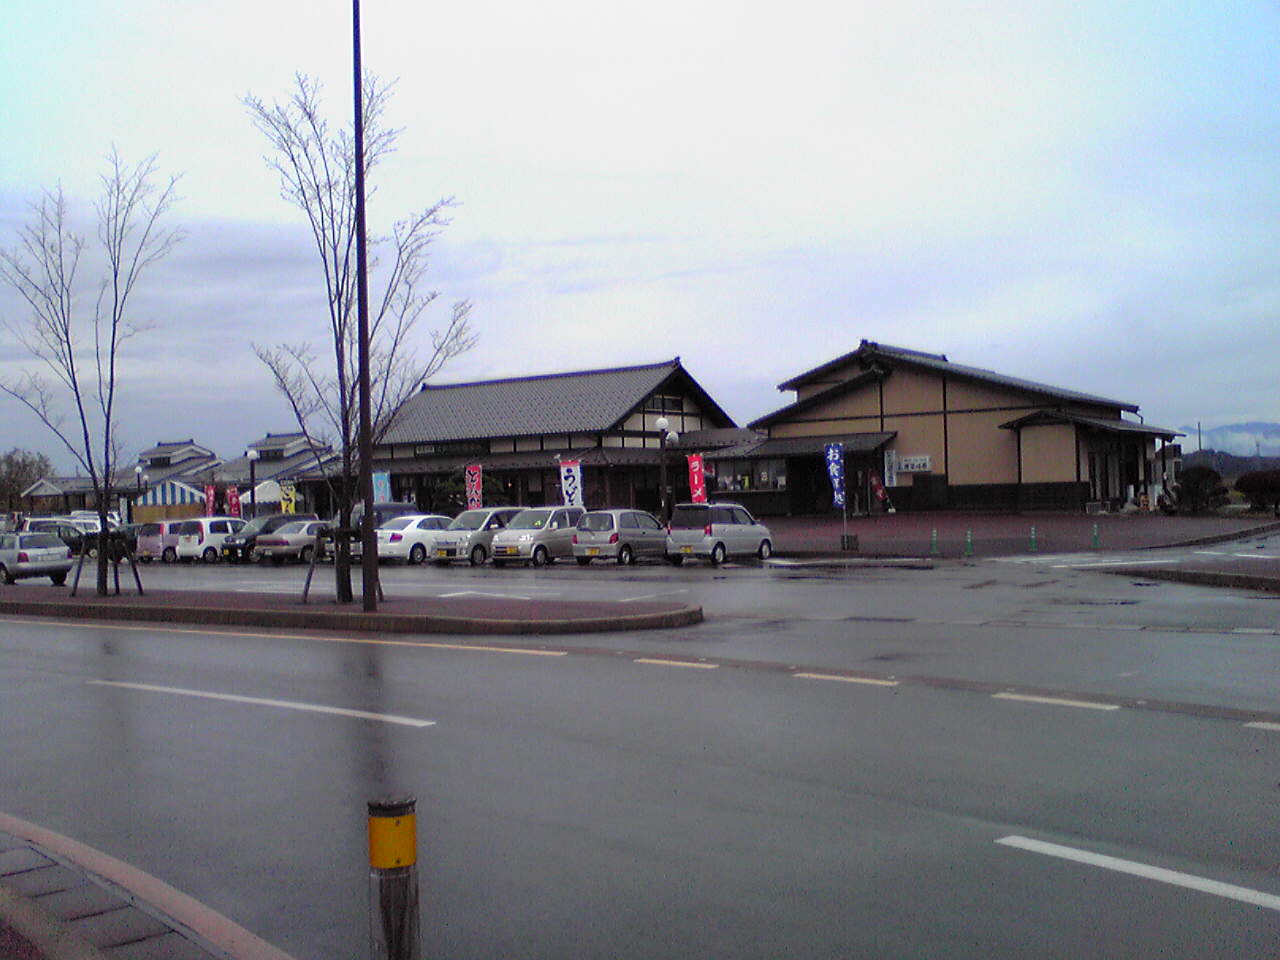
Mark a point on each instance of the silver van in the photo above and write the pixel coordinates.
(715, 532)
(470, 535)
(621, 535)
(537, 535)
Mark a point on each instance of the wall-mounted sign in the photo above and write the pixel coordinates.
(920, 464)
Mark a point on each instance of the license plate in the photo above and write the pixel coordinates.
(686, 549)
(593, 551)
(442, 553)
(506, 551)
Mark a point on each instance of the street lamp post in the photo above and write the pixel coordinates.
(665, 436)
(253, 482)
(133, 505)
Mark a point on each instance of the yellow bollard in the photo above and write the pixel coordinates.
(393, 880)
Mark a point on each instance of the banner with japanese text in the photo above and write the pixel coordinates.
(288, 498)
(835, 470)
(210, 499)
(697, 479)
(475, 486)
(571, 482)
(233, 501)
(381, 487)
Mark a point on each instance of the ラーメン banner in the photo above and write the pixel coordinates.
(571, 482)
(233, 501)
(697, 479)
(475, 486)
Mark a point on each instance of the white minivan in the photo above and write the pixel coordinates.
(715, 532)
(201, 537)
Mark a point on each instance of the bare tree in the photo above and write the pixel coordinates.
(73, 389)
(317, 174)
(19, 469)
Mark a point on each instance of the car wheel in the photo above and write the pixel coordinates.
(583, 561)
(625, 557)
(5, 575)
(58, 578)
(675, 561)
(210, 555)
(478, 556)
(539, 556)
(717, 554)
(765, 551)
(169, 555)
(305, 555)
(417, 554)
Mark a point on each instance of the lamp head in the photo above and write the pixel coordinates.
(672, 437)
(662, 423)
(253, 455)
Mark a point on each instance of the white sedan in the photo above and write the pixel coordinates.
(410, 538)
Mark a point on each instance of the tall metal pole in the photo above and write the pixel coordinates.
(368, 540)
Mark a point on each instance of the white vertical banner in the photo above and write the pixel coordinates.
(571, 482)
(891, 468)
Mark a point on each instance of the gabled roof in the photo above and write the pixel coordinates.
(167, 448)
(823, 396)
(285, 468)
(1046, 417)
(764, 448)
(278, 441)
(588, 401)
(869, 353)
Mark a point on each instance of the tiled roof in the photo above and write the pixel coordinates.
(168, 447)
(589, 401)
(800, 446)
(869, 351)
(1097, 423)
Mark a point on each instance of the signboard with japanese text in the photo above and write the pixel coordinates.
(571, 482)
(878, 488)
(835, 470)
(475, 486)
(891, 468)
(233, 501)
(697, 479)
(917, 464)
(381, 487)
(210, 499)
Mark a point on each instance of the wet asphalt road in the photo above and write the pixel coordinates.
(588, 805)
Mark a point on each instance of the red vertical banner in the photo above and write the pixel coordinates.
(475, 486)
(697, 479)
(210, 499)
(233, 501)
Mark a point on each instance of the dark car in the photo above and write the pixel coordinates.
(239, 546)
(64, 530)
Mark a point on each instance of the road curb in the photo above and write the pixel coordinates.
(351, 621)
(1218, 537)
(183, 914)
(1204, 578)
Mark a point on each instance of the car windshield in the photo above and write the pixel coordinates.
(399, 523)
(297, 526)
(469, 520)
(596, 522)
(689, 517)
(40, 540)
(529, 520)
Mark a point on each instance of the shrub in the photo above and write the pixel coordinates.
(1200, 490)
(1262, 487)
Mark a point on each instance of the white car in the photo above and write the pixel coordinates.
(201, 538)
(538, 536)
(411, 538)
(715, 532)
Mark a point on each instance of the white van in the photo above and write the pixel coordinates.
(201, 538)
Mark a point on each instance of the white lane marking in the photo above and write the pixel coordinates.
(481, 593)
(677, 663)
(1256, 556)
(651, 596)
(1260, 725)
(1132, 867)
(1255, 630)
(259, 701)
(831, 676)
(1212, 553)
(1112, 563)
(1055, 701)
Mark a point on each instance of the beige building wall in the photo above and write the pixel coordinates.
(909, 391)
(1048, 453)
(918, 437)
(967, 395)
(820, 428)
(980, 451)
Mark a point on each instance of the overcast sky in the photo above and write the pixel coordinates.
(1082, 193)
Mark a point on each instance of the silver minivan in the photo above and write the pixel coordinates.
(470, 534)
(537, 535)
(715, 532)
(621, 535)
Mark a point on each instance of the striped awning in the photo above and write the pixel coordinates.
(171, 493)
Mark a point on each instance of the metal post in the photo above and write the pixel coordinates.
(1033, 540)
(393, 880)
(253, 484)
(933, 542)
(1096, 542)
(968, 543)
(662, 475)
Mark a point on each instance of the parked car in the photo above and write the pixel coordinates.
(621, 535)
(201, 538)
(158, 541)
(33, 555)
(411, 538)
(537, 535)
(382, 512)
(239, 546)
(293, 541)
(64, 530)
(715, 532)
(471, 533)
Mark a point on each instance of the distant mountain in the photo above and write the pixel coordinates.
(1241, 439)
(1228, 465)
